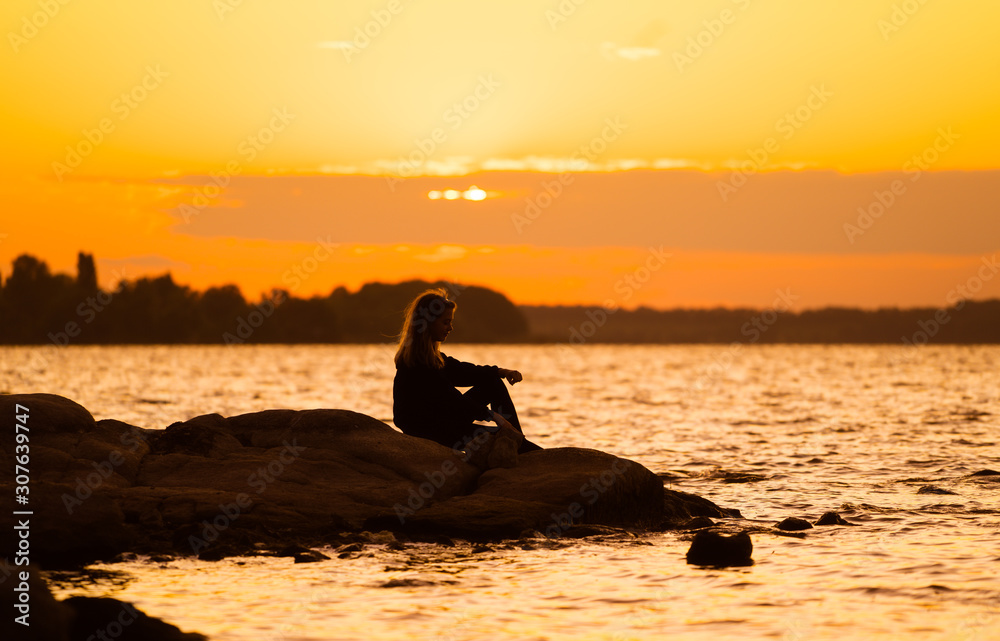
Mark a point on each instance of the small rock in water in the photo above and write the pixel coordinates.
(407, 583)
(712, 548)
(792, 523)
(933, 489)
(292, 550)
(832, 518)
(985, 473)
(311, 556)
(345, 551)
(383, 537)
(697, 523)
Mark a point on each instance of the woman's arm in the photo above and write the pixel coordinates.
(465, 374)
(512, 375)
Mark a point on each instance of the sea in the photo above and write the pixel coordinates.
(889, 437)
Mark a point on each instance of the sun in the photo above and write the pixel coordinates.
(472, 193)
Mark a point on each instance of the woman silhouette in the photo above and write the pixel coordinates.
(425, 401)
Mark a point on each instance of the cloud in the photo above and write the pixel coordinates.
(449, 166)
(443, 253)
(559, 164)
(633, 54)
(338, 169)
(465, 165)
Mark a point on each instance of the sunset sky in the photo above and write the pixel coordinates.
(719, 151)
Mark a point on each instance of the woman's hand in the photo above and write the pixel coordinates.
(512, 376)
(503, 423)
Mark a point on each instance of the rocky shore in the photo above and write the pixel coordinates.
(285, 479)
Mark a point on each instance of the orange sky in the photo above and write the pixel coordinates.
(247, 142)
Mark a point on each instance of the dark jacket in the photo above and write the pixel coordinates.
(425, 402)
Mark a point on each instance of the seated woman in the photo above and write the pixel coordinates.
(425, 402)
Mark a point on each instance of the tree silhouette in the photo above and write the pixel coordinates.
(38, 307)
(86, 273)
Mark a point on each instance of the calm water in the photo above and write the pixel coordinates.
(853, 429)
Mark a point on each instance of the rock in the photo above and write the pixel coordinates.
(48, 414)
(215, 486)
(114, 619)
(494, 448)
(48, 619)
(792, 524)
(681, 507)
(584, 530)
(985, 473)
(209, 436)
(719, 550)
(312, 556)
(832, 518)
(86, 618)
(349, 550)
(933, 489)
(697, 523)
(291, 550)
(549, 491)
(410, 583)
(66, 531)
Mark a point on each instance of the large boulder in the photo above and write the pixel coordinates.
(291, 469)
(71, 464)
(255, 480)
(548, 491)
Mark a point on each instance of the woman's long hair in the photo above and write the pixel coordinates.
(416, 346)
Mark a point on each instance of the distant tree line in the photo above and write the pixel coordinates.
(38, 307)
(967, 322)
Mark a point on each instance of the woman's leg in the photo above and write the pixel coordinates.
(494, 393)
